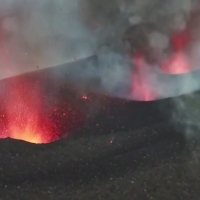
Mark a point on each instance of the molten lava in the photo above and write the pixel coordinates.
(27, 133)
(24, 106)
(27, 113)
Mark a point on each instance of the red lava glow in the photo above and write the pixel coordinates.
(179, 62)
(181, 40)
(23, 109)
(29, 117)
(141, 89)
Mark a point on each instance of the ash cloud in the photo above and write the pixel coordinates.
(170, 17)
(38, 34)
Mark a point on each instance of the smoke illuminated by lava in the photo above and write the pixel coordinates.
(179, 62)
(141, 88)
(26, 50)
(32, 39)
(183, 42)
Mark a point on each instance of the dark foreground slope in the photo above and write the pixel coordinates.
(147, 159)
(89, 169)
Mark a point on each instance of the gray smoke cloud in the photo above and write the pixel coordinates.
(38, 34)
(118, 79)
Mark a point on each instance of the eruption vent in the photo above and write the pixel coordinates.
(28, 114)
(25, 113)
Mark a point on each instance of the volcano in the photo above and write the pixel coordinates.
(49, 104)
(34, 108)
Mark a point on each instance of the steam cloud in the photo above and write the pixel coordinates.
(38, 34)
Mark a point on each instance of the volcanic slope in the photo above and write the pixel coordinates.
(144, 163)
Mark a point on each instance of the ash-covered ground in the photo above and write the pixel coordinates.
(137, 152)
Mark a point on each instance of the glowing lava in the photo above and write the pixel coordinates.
(31, 113)
(25, 120)
(28, 133)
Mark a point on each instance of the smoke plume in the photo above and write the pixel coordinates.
(38, 34)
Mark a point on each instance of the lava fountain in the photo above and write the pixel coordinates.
(30, 114)
(24, 113)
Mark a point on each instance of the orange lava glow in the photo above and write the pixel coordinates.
(24, 107)
(28, 133)
(33, 112)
